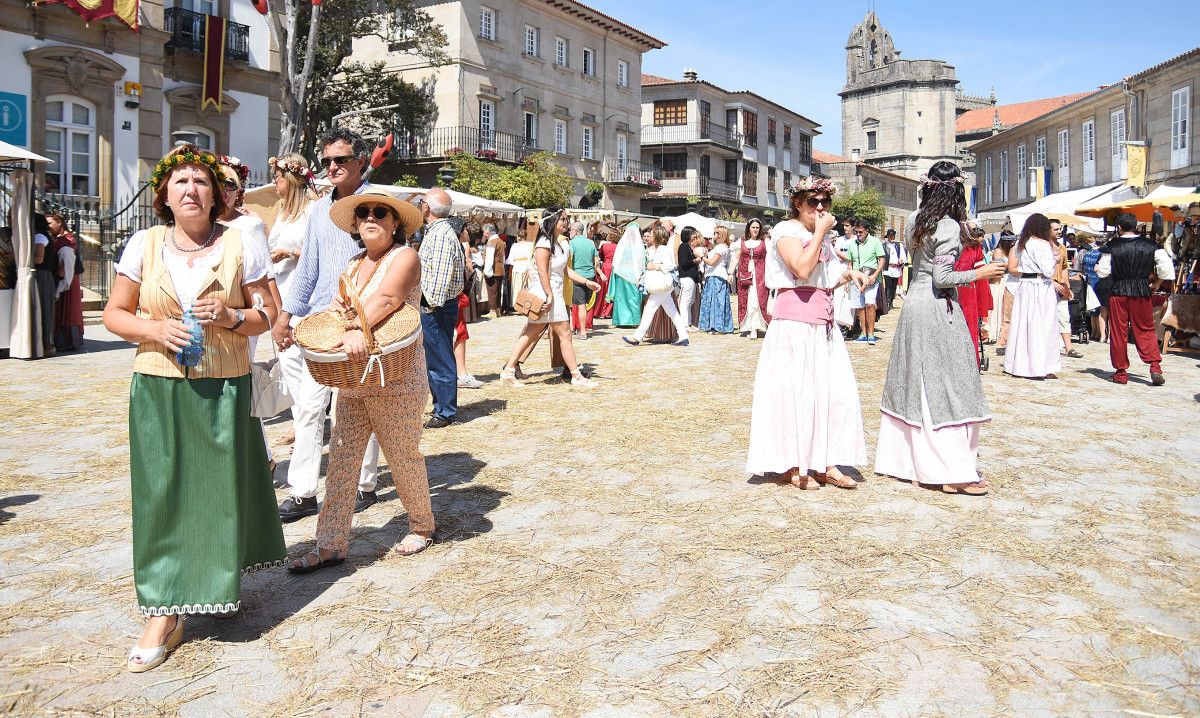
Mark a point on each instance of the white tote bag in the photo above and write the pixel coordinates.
(842, 313)
(270, 396)
(1093, 301)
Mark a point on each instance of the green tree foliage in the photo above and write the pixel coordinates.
(537, 182)
(363, 86)
(865, 204)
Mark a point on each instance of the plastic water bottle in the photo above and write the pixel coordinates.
(191, 354)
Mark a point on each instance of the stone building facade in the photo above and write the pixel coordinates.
(529, 75)
(102, 100)
(732, 150)
(1083, 144)
(899, 193)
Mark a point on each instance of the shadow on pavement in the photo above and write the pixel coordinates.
(19, 500)
(1106, 374)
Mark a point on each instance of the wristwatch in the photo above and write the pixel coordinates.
(240, 316)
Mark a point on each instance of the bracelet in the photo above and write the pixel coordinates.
(240, 316)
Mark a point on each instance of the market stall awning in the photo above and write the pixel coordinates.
(1061, 206)
(12, 153)
(462, 204)
(1170, 201)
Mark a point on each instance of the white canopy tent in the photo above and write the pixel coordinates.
(19, 307)
(706, 225)
(1061, 206)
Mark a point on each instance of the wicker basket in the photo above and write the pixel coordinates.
(391, 345)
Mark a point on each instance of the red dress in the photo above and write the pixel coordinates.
(604, 308)
(68, 310)
(758, 278)
(975, 298)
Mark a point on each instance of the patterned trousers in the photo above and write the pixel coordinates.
(394, 416)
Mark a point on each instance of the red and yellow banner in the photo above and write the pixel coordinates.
(214, 61)
(91, 10)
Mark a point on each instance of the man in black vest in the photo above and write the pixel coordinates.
(1131, 260)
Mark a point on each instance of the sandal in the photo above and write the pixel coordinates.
(840, 480)
(303, 566)
(803, 481)
(414, 543)
(510, 377)
(151, 658)
(975, 488)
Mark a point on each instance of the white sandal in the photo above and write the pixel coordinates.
(579, 381)
(426, 542)
(151, 658)
(509, 376)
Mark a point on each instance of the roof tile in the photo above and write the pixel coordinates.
(1015, 114)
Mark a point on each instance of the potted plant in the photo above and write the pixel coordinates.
(693, 203)
(595, 189)
(454, 151)
(486, 154)
(654, 184)
(710, 209)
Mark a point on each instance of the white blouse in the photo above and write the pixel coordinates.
(287, 234)
(721, 268)
(186, 278)
(1036, 258)
(825, 275)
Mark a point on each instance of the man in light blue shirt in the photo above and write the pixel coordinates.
(325, 254)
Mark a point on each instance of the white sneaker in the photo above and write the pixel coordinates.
(579, 381)
(509, 376)
(469, 382)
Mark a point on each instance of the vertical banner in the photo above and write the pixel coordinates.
(214, 61)
(1137, 165)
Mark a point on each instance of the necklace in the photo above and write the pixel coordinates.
(212, 233)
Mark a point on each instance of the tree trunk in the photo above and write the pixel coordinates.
(294, 70)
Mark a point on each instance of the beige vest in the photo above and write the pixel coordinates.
(226, 353)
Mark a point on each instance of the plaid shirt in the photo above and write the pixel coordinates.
(442, 264)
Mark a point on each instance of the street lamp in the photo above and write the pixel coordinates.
(447, 173)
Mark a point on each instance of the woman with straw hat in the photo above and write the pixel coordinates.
(203, 508)
(387, 276)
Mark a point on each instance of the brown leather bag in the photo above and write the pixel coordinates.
(529, 304)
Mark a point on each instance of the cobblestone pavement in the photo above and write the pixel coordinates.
(603, 553)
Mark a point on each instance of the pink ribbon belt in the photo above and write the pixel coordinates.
(810, 305)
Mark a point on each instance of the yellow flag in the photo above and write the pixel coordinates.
(1137, 166)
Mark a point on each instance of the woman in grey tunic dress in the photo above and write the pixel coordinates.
(933, 399)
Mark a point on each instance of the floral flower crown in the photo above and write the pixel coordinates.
(183, 155)
(236, 165)
(811, 184)
(294, 168)
(927, 182)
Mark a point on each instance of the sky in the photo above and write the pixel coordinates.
(794, 53)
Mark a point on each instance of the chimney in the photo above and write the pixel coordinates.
(689, 74)
(854, 155)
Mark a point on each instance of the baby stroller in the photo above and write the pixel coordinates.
(1081, 323)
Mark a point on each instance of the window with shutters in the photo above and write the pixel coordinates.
(770, 130)
(1004, 176)
(589, 62)
(670, 112)
(1087, 138)
(672, 165)
(1064, 160)
(532, 41)
(561, 56)
(750, 178)
(787, 135)
(1022, 172)
(1181, 117)
(588, 143)
(1120, 153)
(622, 73)
(750, 127)
(487, 23)
(770, 179)
(560, 137)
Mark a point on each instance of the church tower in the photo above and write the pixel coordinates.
(896, 114)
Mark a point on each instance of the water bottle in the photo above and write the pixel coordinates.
(191, 354)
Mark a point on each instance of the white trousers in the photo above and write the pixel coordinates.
(308, 418)
(687, 297)
(667, 302)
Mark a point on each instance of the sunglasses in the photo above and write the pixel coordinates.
(340, 160)
(378, 211)
(815, 202)
(229, 186)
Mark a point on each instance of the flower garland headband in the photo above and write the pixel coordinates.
(927, 182)
(183, 155)
(243, 172)
(294, 168)
(811, 184)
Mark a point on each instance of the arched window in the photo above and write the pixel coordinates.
(205, 140)
(70, 145)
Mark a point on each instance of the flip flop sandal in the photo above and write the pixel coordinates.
(151, 658)
(841, 481)
(306, 567)
(412, 540)
(977, 488)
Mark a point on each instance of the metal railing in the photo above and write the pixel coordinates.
(702, 187)
(447, 141)
(186, 29)
(617, 171)
(700, 131)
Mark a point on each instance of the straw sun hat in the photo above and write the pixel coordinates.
(342, 211)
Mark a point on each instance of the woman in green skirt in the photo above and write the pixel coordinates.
(203, 505)
(628, 265)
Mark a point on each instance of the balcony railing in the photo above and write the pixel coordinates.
(186, 29)
(701, 131)
(631, 172)
(701, 187)
(446, 141)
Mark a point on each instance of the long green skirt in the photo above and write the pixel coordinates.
(204, 509)
(627, 302)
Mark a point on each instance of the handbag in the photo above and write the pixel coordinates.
(842, 313)
(526, 302)
(270, 395)
(656, 281)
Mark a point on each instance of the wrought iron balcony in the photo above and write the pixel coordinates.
(447, 141)
(706, 187)
(631, 172)
(700, 131)
(186, 29)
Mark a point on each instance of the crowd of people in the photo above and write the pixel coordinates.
(204, 510)
(58, 267)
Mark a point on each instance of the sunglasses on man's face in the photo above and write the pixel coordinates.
(378, 211)
(340, 160)
(815, 202)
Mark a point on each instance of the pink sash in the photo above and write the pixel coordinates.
(810, 305)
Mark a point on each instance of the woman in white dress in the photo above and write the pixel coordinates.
(660, 261)
(547, 271)
(1001, 291)
(1033, 336)
(806, 418)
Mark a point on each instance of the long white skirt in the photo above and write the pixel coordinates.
(1033, 336)
(996, 317)
(929, 456)
(806, 411)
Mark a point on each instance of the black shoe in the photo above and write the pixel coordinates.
(680, 343)
(438, 422)
(294, 509)
(365, 499)
(1157, 379)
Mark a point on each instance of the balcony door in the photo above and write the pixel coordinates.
(487, 125)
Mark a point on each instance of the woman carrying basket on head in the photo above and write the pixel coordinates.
(385, 277)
